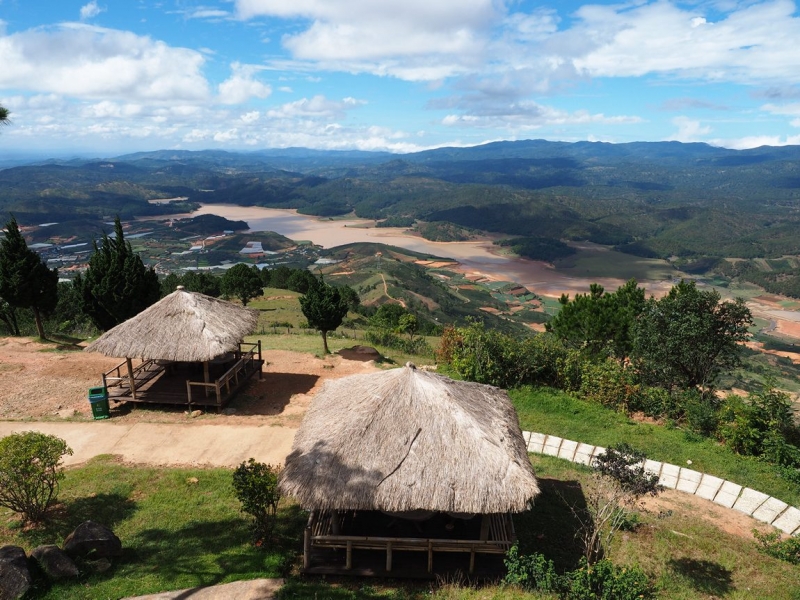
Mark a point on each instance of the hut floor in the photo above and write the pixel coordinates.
(405, 564)
(167, 384)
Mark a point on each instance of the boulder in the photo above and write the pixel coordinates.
(362, 353)
(92, 540)
(54, 562)
(15, 577)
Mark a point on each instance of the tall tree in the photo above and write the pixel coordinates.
(243, 282)
(325, 307)
(117, 285)
(689, 337)
(598, 323)
(25, 281)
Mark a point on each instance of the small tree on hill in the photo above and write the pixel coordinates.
(30, 470)
(117, 285)
(25, 281)
(243, 282)
(325, 307)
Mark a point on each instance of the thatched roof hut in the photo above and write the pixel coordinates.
(408, 440)
(183, 326)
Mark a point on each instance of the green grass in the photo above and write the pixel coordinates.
(175, 533)
(557, 413)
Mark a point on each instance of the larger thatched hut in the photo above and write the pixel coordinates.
(407, 460)
(174, 338)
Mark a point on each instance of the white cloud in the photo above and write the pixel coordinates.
(750, 44)
(414, 39)
(251, 117)
(91, 10)
(689, 130)
(318, 107)
(791, 109)
(241, 85)
(756, 141)
(89, 62)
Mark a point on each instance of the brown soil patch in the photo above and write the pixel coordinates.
(40, 383)
(789, 328)
(726, 519)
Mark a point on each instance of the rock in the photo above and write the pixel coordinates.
(363, 353)
(92, 540)
(54, 562)
(98, 566)
(15, 577)
(195, 413)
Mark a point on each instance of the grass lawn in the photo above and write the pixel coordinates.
(557, 413)
(176, 533)
(182, 528)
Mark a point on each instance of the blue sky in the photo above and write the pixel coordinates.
(106, 77)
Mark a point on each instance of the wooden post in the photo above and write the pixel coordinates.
(349, 560)
(388, 557)
(260, 363)
(189, 395)
(472, 559)
(206, 376)
(430, 557)
(219, 398)
(485, 528)
(131, 379)
(306, 547)
(335, 525)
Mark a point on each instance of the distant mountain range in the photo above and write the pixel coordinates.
(652, 199)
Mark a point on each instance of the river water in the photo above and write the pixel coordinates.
(478, 257)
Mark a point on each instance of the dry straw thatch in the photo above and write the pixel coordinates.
(183, 326)
(404, 440)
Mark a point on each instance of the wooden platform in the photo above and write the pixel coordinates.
(370, 543)
(189, 384)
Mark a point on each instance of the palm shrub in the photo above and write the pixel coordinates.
(30, 471)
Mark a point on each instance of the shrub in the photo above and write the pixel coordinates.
(256, 487)
(761, 425)
(531, 572)
(388, 339)
(610, 384)
(701, 413)
(606, 581)
(772, 544)
(30, 470)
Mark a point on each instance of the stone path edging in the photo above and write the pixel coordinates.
(751, 502)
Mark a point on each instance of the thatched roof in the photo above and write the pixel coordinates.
(184, 326)
(406, 439)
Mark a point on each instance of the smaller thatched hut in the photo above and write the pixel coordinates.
(181, 331)
(407, 461)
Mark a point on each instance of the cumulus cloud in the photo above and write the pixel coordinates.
(90, 62)
(242, 85)
(689, 130)
(756, 141)
(91, 10)
(317, 107)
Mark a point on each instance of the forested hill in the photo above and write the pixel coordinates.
(651, 199)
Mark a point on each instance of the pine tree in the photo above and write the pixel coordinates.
(25, 281)
(117, 285)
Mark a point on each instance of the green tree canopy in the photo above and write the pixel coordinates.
(117, 285)
(243, 282)
(3, 115)
(325, 307)
(598, 323)
(25, 281)
(689, 337)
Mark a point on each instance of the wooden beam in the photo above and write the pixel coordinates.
(131, 378)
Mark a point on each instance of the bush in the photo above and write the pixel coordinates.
(761, 425)
(610, 384)
(606, 581)
(601, 581)
(256, 487)
(30, 470)
(701, 413)
(388, 339)
(773, 545)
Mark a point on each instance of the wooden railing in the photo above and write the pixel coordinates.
(241, 367)
(497, 534)
(119, 378)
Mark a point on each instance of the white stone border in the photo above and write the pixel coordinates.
(751, 502)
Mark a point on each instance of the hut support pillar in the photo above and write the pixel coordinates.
(260, 369)
(131, 378)
(206, 375)
(430, 557)
(349, 559)
(388, 557)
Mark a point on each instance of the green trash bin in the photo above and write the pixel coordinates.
(98, 398)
